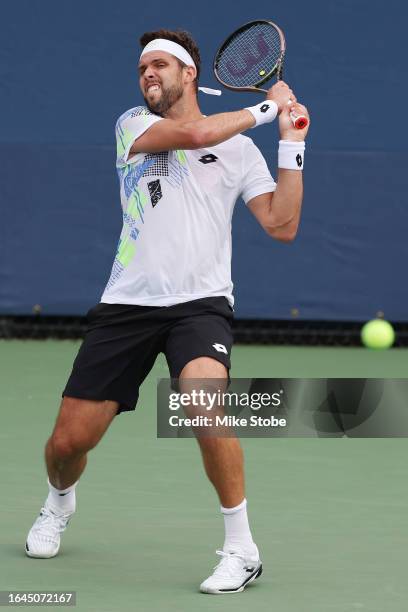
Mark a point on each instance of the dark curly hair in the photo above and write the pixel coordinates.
(181, 37)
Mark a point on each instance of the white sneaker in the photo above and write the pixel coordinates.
(43, 540)
(233, 573)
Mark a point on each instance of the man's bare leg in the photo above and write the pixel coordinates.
(224, 465)
(222, 457)
(79, 427)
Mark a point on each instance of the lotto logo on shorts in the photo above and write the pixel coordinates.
(220, 348)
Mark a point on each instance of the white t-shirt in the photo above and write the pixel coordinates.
(175, 245)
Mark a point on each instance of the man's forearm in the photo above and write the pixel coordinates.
(217, 128)
(286, 204)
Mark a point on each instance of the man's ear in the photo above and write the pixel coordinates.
(191, 72)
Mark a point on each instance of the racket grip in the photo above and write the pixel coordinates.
(299, 121)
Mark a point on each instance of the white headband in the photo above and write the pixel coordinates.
(162, 44)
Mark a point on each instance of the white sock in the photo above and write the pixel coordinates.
(62, 500)
(237, 533)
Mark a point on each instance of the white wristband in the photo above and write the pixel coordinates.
(264, 112)
(291, 155)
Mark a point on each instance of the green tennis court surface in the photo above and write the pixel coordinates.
(329, 515)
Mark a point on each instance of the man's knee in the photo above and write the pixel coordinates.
(204, 367)
(66, 446)
(79, 427)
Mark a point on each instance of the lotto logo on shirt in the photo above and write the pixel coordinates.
(208, 159)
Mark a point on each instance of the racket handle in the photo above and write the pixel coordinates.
(299, 121)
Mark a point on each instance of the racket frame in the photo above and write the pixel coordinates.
(276, 70)
(299, 121)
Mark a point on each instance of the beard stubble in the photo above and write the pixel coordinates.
(169, 96)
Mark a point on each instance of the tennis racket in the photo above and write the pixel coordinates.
(252, 55)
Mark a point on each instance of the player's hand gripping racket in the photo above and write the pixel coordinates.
(252, 55)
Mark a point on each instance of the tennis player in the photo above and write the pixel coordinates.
(170, 288)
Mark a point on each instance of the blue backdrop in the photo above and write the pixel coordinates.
(68, 70)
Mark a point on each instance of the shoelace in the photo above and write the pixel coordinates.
(49, 522)
(229, 564)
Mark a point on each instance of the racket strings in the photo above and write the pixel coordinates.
(251, 56)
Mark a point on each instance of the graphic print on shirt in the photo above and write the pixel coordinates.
(134, 201)
(171, 165)
(133, 217)
(155, 191)
(160, 165)
(123, 136)
(178, 169)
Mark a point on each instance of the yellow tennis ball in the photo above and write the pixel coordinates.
(378, 334)
(262, 72)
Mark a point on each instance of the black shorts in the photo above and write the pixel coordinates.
(122, 342)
